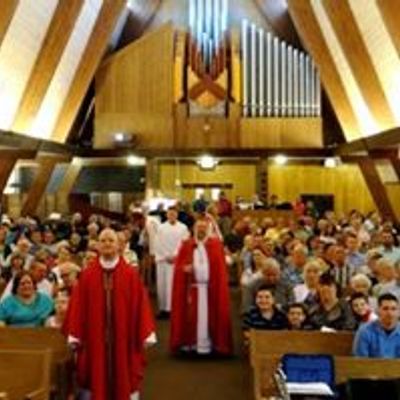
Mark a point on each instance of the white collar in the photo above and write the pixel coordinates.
(109, 264)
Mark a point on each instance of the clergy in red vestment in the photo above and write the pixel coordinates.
(109, 321)
(200, 317)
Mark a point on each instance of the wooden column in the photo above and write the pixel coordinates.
(67, 184)
(152, 177)
(38, 188)
(262, 179)
(7, 164)
(396, 165)
(376, 187)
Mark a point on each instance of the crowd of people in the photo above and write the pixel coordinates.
(296, 271)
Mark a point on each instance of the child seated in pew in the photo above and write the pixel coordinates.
(60, 307)
(297, 317)
(361, 309)
(264, 314)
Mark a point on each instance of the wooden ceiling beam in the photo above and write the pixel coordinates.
(376, 187)
(355, 50)
(389, 10)
(56, 39)
(94, 51)
(39, 184)
(8, 8)
(308, 28)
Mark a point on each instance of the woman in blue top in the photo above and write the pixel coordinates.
(25, 307)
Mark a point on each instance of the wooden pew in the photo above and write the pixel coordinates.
(25, 374)
(39, 339)
(346, 367)
(277, 343)
(303, 342)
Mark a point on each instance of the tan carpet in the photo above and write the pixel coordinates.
(192, 379)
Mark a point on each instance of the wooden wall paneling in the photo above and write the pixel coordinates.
(7, 12)
(38, 188)
(242, 177)
(309, 30)
(95, 48)
(67, 184)
(389, 12)
(356, 52)
(262, 179)
(57, 36)
(152, 177)
(281, 132)
(376, 187)
(290, 181)
(135, 92)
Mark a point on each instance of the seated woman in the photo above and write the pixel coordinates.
(361, 309)
(264, 314)
(307, 292)
(331, 313)
(25, 306)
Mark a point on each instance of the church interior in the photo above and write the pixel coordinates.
(116, 110)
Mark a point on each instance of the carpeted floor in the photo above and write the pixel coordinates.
(192, 379)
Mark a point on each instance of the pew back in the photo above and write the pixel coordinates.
(25, 374)
(40, 339)
(264, 343)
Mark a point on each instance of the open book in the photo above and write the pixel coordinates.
(309, 388)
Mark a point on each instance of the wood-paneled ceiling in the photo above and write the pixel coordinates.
(49, 53)
(356, 45)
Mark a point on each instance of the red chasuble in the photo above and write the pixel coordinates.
(132, 324)
(184, 300)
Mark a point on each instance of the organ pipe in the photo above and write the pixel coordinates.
(278, 79)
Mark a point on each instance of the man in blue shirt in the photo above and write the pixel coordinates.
(381, 338)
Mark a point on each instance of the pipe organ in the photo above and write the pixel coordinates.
(207, 56)
(278, 80)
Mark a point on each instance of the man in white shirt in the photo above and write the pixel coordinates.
(168, 239)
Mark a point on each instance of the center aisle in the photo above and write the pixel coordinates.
(173, 378)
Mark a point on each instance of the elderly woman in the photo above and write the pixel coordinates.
(25, 307)
(387, 278)
(307, 292)
(361, 284)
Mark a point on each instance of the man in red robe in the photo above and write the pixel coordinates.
(109, 322)
(200, 317)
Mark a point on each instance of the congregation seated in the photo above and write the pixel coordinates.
(307, 292)
(25, 306)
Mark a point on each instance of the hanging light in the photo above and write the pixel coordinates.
(280, 159)
(135, 160)
(207, 162)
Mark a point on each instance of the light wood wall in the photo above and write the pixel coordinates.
(134, 92)
(241, 176)
(345, 182)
